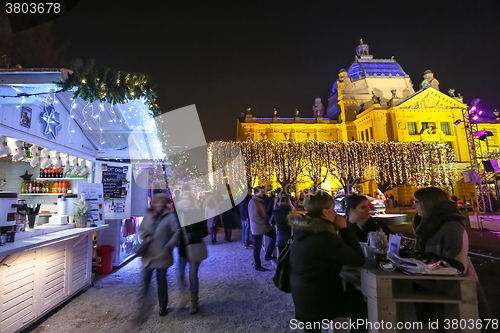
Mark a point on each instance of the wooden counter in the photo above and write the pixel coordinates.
(39, 273)
(389, 294)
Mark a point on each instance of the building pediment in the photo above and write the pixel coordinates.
(429, 98)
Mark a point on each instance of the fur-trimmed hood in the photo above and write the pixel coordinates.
(310, 224)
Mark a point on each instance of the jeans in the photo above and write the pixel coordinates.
(228, 231)
(245, 232)
(194, 282)
(213, 234)
(161, 279)
(258, 244)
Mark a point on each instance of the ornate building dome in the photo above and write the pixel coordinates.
(368, 81)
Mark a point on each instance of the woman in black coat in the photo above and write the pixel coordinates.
(188, 212)
(359, 220)
(321, 245)
(279, 219)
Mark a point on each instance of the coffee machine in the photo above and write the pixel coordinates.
(8, 209)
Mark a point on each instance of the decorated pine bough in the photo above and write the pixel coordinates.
(82, 208)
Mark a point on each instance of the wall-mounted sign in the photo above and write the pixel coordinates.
(115, 182)
(25, 117)
(49, 118)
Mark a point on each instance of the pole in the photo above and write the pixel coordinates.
(475, 156)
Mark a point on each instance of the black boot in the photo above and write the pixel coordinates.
(163, 311)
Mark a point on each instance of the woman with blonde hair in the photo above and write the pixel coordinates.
(322, 243)
(160, 229)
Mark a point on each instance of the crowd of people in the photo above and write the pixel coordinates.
(323, 242)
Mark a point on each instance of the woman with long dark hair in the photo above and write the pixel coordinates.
(321, 245)
(359, 219)
(439, 227)
(440, 231)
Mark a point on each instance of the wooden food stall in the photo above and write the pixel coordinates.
(50, 144)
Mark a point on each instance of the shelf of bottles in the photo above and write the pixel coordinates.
(57, 174)
(45, 187)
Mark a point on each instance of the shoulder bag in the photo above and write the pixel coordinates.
(141, 249)
(281, 278)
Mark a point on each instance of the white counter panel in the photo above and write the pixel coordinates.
(39, 273)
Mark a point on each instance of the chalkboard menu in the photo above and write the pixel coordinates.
(113, 180)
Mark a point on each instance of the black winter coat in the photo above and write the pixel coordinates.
(243, 208)
(317, 255)
(372, 224)
(195, 232)
(269, 205)
(279, 219)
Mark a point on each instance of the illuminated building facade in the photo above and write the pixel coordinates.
(374, 100)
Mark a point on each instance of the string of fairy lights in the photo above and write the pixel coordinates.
(410, 163)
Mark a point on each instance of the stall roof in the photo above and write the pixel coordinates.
(107, 127)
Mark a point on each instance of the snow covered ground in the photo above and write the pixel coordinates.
(234, 297)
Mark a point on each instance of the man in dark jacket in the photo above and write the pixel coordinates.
(245, 221)
(259, 225)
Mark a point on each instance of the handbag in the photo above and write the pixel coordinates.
(141, 250)
(281, 278)
(195, 252)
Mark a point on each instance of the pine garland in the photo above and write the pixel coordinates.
(109, 85)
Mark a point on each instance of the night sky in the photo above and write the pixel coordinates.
(228, 56)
